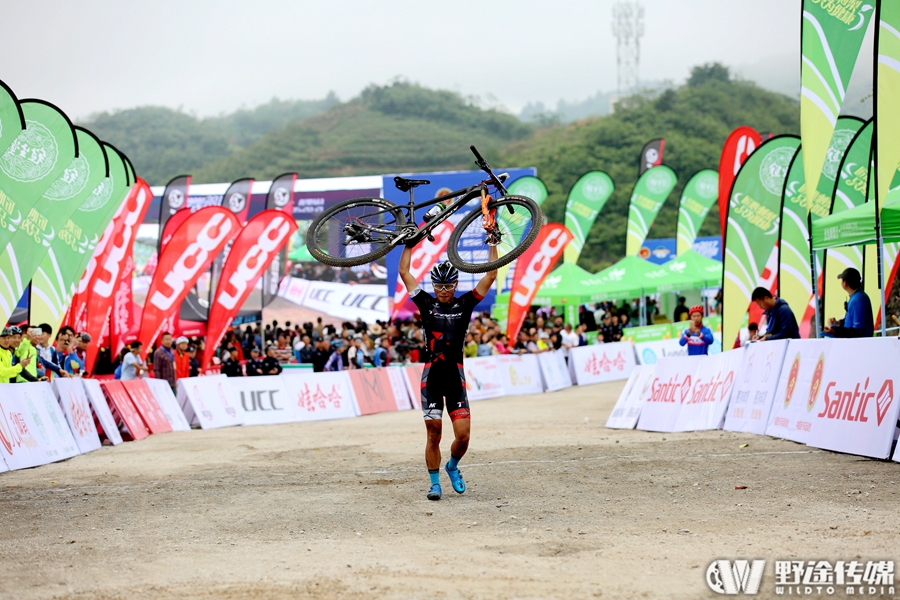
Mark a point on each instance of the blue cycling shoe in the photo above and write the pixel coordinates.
(435, 492)
(459, 486)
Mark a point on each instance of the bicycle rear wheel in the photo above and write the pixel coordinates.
(354, 232)
(468, 250)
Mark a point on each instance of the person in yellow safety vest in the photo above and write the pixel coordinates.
(7, 369)
(25, 346)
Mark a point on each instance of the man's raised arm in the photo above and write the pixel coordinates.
(403, 270)
(489, 278)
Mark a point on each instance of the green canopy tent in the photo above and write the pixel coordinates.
(562, 286)
(687, 271)
(856, 226)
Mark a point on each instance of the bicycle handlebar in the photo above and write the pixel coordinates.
(484, 166)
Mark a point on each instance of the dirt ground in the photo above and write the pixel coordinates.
(557, 507)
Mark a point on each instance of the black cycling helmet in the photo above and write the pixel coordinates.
(444, 272)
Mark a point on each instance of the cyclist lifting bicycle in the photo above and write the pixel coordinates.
(362, 230)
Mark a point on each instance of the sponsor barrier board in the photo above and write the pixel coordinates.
(209, 402)
(397, 378)
(713, 381)
(264, 400)
(168, 404)
(320, 396)
(856, 409)
(147, 406)
(349, 302)
(73, 400)
(627, 410)
(669, 389)
(554, 371)
(126, 415)
(102, 415)
(372, 391)
(791, 416)
(755, 387)
(482, 378)
(412, 377)
(33, 430)
(602, 362)
(519, 374)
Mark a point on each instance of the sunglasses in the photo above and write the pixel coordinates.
(444, 287)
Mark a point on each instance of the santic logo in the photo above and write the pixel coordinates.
(540, 264)
(190, 261)
(733, 577)
(792, 380)
(851, 404)
(254, 260)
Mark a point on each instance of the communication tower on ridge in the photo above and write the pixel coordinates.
(628, 27)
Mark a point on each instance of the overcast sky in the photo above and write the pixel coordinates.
(210, 57)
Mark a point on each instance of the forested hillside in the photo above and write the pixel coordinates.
(694, 119)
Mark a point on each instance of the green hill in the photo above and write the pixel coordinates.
(400, 127)
(694, 119)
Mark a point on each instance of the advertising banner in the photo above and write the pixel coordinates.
(33, 430)
(850, 189)
(279, 197)
(265, 400)
(46, 219)
(192, 248)
(413, 380)
(711, 391)
(349, 302)
(792, 416)
(145, 403)
(627, 410)
(830, 41)
(755, 387)
(11, 117)
(372, 391)
(532, 268)
(126, 415)
(519, 374)
(174, 199)
(320, 396)
(72, 398)
(554, 371)
(856, 411)
(737, 149)
(754, 215)
(59, 275)
(256, 245)
(483, 378)
(649, 353)
(168, 403)
(102, 414)
(424, 256)
(887, 90)
(585, 201)
(31, 164)
(670, 387)
(652, 155)
(650, 193)
(397, 379)
(699, 195)
(109, 264)
(602, 362)
(210, 402)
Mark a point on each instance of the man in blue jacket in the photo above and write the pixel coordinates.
(858, 321)
(697, 337)
(780, 321)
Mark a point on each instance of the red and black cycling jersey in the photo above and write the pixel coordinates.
(445, 325)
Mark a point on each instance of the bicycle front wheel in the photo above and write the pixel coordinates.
(355, 232)
(468, 249)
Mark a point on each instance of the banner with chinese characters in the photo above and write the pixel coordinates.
(73, 400)
(751, 238)
(47, 219)
(755, 387)
(830, 40)
(599, 363)
(698, 197)
(791, 417)
(649, 195)
(586, 199)
(519, 374)
(11, 117)
(320, 396)
(483, 378)
(210, 402)
(33, 430)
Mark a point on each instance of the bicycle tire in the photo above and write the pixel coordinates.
(502, 204)
(312, 236)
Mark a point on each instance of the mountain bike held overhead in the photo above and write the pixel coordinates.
(362, 230)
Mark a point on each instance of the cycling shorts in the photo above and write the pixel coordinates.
(442, 387)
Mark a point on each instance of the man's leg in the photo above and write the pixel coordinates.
(433, 444)
(459, 415)
(433, 412)
(461, 429)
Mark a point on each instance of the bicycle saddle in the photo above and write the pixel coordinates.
(404, 185)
